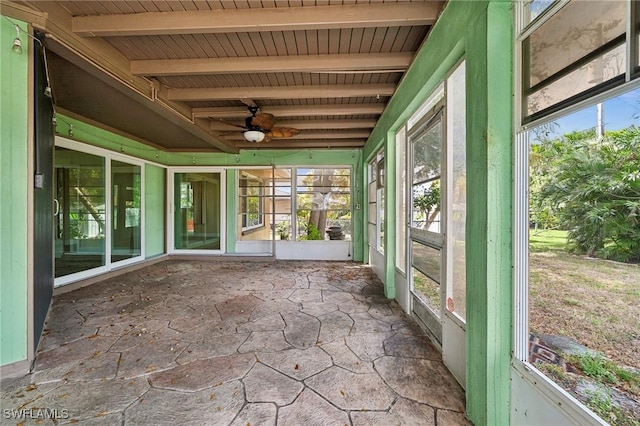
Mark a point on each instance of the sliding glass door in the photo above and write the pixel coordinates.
(98, 218)
(80, 216)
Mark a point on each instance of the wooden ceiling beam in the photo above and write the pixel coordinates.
(258, 19)
(303, 124)
(315, 144)
(266, 64)
(281, 92)
(291, 111)
(310, 135)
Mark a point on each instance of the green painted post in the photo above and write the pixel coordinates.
(14, 187)
(232, 218)
(489, 256)
(390, 218)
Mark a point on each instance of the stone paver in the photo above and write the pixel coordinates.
(217, 342)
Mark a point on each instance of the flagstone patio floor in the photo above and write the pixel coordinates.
(218, 342)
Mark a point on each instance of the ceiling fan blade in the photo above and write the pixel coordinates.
(228, 123)
(264, 121)
(248, 102)
(283, 132)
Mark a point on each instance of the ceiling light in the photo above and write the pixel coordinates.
(254, 135)
(17, 43)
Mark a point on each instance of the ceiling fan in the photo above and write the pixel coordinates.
(260, 127)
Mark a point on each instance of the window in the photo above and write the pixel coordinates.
(574, 51)
(373, 204)
(457, 193)
(401, 211)
(376, 203)
(264, 204)
(252, 201)
(574, 177)
(426, 148)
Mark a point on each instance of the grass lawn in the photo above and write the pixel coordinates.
(593, 301)
(547, 239)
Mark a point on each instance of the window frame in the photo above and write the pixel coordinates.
(244, 201)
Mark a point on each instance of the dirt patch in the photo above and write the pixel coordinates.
(595, 302)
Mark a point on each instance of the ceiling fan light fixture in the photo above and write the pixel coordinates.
(254, 135)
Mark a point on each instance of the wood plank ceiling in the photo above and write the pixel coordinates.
(325, 67)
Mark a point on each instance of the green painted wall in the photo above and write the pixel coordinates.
(260, 157)
(154, 208)
(13, 190)
(481, 32)
(231, 201)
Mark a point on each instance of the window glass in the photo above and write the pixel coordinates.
(579, 47)
(126, 202)
(636, 25)
(457, 187)
(80, 221)
(264, 204)
(603, 68)
(283, 205)
(584, 195)
(197, 220)
(427, 269)
(426, 167)
(323, 204)
(536, 7)
(573, 32)
(252, 201)
(401, 200)
(372, 211)
(380, 181)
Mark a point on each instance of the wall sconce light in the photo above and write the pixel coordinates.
(17, 43)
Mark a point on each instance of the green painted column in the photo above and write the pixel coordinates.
(489, 192)
(390, 216)
(14, 187)
(231, 217)
(154, 210)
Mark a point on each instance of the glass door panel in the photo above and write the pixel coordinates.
(126, 211)
(425, 228)
(426, 275)
(80, 219)
(197, 221)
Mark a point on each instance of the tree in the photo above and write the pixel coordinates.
(593, 188)
(428, 203)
